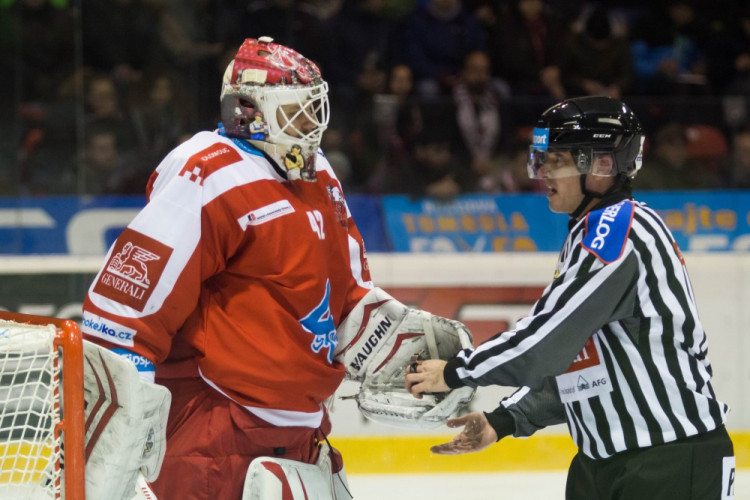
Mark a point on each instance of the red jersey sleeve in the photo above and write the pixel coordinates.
(151, 280)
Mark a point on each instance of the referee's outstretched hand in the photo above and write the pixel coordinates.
(477, 435)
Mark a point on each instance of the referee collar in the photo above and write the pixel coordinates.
(624, 193)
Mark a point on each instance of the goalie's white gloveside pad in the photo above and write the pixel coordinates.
(377, 342)
(400, 409)
(126, 419)
(364, 330)
(276, 478)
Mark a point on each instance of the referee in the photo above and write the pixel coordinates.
(614, 347)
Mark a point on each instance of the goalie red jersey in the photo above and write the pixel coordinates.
(237, 271)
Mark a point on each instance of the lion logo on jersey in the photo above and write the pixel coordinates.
(135, 265)
(130, 263)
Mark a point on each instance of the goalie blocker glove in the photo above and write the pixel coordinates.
(378, 341)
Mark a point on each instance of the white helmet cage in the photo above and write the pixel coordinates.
(275, 98)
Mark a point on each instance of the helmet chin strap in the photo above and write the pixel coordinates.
(588, 196)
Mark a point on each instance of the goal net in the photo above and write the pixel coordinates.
(41, 408)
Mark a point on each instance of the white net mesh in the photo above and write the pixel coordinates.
(30, 452)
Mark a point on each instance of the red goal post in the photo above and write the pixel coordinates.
(41, 408)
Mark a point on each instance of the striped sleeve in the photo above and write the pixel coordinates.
(544, 344)
(534, 410)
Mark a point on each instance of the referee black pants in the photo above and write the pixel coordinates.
(696, 468)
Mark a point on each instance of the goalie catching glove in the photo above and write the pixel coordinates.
(378, 341)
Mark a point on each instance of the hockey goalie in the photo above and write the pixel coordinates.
(378, 342)
(243, 287)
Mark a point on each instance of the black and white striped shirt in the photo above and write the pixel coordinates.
(614, 346)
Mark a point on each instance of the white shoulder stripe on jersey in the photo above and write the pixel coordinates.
(251, 169)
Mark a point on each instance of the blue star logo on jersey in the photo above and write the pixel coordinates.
(319, 322)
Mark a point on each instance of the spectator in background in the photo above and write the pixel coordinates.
(107, 167)
(46, 155)
(431, 168)
(192, 51)
(397, 119)
(393, 103)
(433, 41)
(728, 56)
(36, 43)
(596, 60)
(669, 165)
(739, 169)
(524, 45)
(357, 56)
(667, 46)
(478, 99)
(104, 108)
(356, 61)
(162, 116)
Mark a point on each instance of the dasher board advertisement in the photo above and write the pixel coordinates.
(700, 221)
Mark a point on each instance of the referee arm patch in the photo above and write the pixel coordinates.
(607, 231)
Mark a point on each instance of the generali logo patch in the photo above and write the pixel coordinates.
(133, 269)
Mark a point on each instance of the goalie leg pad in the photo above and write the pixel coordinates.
(126, 419)
(278, 478)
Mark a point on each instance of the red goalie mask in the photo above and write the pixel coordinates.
(276, 98)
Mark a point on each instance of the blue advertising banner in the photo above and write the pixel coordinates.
(88, 225)
(367, 215)
(473, 223)
(700, 221)
(705, 220)
(64, 224)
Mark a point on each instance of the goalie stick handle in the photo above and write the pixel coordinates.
(429, 334)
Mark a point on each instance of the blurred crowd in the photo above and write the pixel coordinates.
(428, 97)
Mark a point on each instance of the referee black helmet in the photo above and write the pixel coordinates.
(588, 127)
